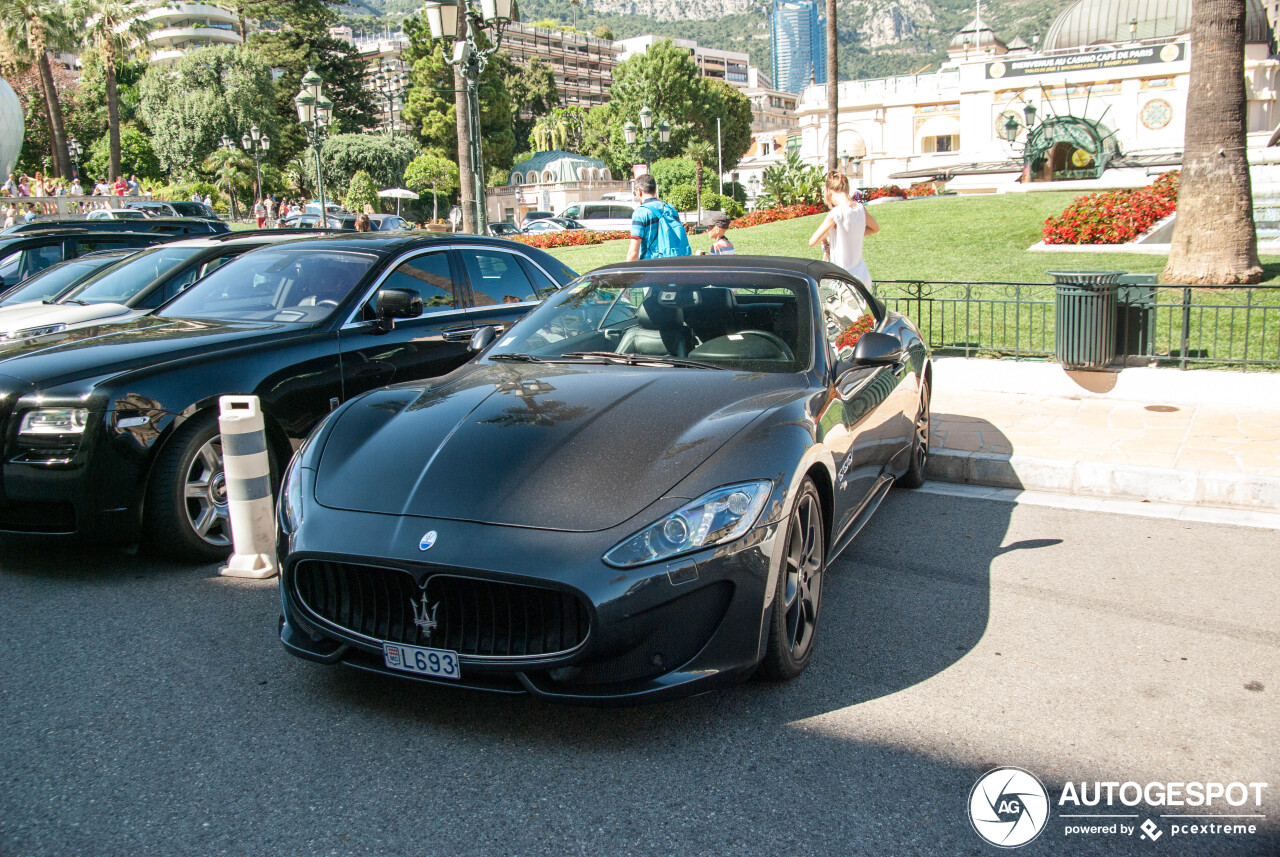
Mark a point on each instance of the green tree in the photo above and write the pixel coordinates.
(562, 128)
(113, 27)
(683, 197)
(430, 107)
(534, 94)
(361, 191)
(432, 171)
(669, 172)
(93, 81)
(32, 28)
(208, 93)
(703, 154)
(723, 100)
(136, 157)
(382, 158)
(232, 172)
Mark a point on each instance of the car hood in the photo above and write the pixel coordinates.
(93, 350)
(577, 448)
(37, 314)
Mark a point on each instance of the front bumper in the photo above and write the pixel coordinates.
(655, 632)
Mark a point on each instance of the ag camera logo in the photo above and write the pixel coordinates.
(1008, 807)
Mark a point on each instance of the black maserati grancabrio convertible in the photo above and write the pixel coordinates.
(632, 494)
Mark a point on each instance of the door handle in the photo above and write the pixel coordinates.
(459, 334)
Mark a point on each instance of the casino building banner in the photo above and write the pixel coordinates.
(1104, 59)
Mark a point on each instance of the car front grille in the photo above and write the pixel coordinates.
(478, 618)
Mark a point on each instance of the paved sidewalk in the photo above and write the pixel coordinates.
(1161, 435)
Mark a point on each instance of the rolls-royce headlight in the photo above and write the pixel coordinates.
(714, 518)
(54, 421)
(33, 332)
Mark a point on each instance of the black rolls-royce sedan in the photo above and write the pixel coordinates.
(110, 431)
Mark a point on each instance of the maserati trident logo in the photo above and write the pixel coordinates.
(425, 618)
(427, 541)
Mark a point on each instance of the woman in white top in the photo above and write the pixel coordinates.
(844, 227)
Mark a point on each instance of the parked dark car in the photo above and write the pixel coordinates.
(24, 254)
(111, 431)
(61, 277)
(632, 494)
(168, 208)
(346, 222)
(531, 216)
(551, 224)
(135, 285)
(164, 225)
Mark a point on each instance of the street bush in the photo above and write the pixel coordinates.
(1113, 217)
(383, 158)
(673, 172)
(361, 192)
(683, 197)
(137, 157)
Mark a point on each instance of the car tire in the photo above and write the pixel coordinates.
(185, 515)
(793, 622)
(914, 477)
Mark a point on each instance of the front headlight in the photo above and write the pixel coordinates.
(291, 497)
(714, 518)
(54, 421)
(33, 332)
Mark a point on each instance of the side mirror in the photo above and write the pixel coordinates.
(481, 338)
(397, 303)
(877, 349)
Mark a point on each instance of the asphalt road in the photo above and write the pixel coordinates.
(147, 709)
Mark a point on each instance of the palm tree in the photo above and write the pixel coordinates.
(702, 154)
(114, 28)
(232, 171)
(41, 25)
(1214, 242)
(833, 95)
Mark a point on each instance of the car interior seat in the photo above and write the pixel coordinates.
(660, 329)
(712, 313)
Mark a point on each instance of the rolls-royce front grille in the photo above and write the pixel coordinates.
(480, 618)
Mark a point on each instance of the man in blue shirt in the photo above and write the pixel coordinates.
(656, 230)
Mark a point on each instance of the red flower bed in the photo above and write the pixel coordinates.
(570, 238)
(887, 190)
(849, 337)
(773, 215)
(1113, 217)
(922, 189)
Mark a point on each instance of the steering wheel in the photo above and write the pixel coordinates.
(774, 340)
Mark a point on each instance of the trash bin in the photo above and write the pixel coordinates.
(1085, 318)
(1136, 315)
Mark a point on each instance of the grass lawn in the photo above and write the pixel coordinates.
(944, 238)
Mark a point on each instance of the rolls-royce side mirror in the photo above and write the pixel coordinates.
(877, 349)
(396, 303)
(481, 338)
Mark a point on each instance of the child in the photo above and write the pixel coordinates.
(717, 225)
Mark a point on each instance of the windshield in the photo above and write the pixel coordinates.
(125, 281)
(294, 284)
(727, 319)
(53, 282)
(190, 209)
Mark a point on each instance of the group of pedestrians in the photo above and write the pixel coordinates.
(656, 229)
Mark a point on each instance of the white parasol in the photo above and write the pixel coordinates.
(397, 193)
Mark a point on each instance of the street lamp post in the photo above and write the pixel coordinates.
(255, 143)
(315, 112)
(461, 21)
(390, 83)
(75, 150)
(646, 125)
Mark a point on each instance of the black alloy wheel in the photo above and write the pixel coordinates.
(915, 475)
(796, 603)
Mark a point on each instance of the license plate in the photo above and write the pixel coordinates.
(440, 663)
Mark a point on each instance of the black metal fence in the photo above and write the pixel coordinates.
(1229, 327)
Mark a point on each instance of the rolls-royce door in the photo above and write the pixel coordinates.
(376, 353)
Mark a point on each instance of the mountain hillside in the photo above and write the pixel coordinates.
(877, 37)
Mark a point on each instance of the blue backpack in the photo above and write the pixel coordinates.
(670, 239)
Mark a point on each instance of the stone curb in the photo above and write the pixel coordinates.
(1113, 481)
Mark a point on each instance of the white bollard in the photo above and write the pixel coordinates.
(248, 471)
